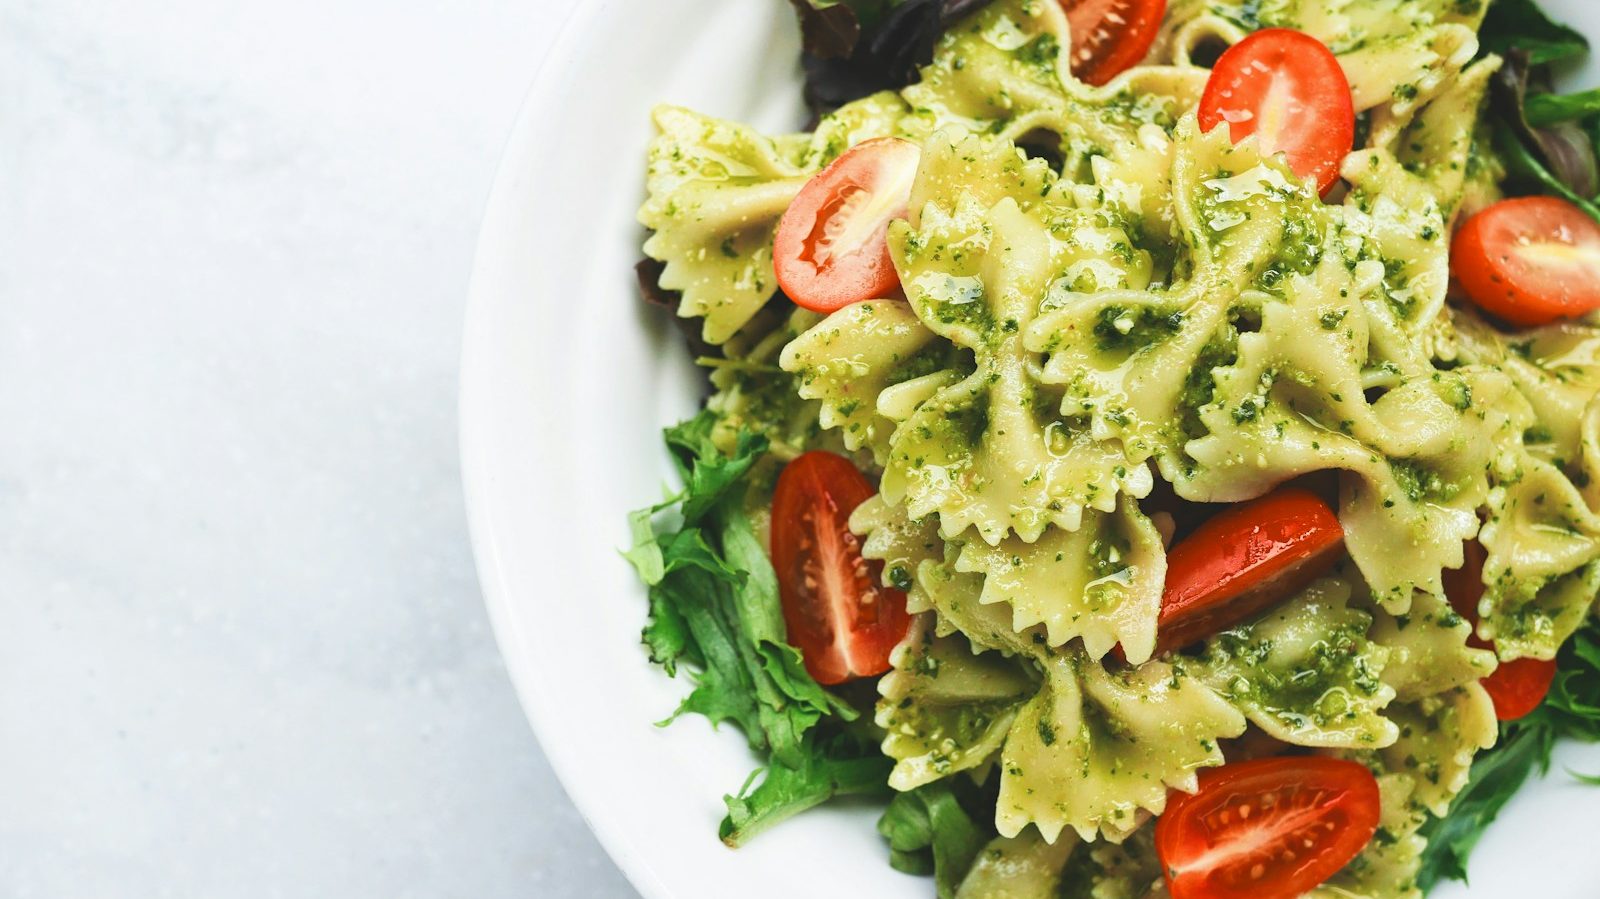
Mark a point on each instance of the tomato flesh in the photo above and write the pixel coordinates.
(1287, 89)
(1530, 260)
(1244, 560)
(1266, 829)
(1110, 36)
(1516, 687)
(1520, 686)
(831, 248)
(840, 616)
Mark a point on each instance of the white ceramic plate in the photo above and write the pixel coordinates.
(567, 379)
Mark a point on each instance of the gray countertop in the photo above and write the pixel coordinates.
(243, 650)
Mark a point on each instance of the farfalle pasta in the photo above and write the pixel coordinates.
(1124, 316)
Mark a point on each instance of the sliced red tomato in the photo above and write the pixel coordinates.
(1518, 687)
(1530, 260)
(1110, 36)
(831, 248)
(844, 621)
(1240, 562)
(1286, 88)
(1266, 829)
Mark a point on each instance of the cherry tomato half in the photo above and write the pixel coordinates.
(843, 620)
(831, 248)
(1530, 260)
(1266, 829)
(1286, 88)
(1110, 36)
(1516, 687)
(1240, 562)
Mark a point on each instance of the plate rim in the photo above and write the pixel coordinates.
(472, 442)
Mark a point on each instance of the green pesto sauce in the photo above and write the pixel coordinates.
(1420, 484)
(1200, 387)
(1119, 328)
(1314, 688)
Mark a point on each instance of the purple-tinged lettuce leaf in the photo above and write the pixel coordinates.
(1563, 151)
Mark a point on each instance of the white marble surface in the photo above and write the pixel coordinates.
(242, 651)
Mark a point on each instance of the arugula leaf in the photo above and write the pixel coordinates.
(1571, 711)
(1522, 24)
(1548, 109)
(666, 633)
(848, 764)
(724, 686)
(670, 634)
(1589, 780)
(708, 475)
(929, 832)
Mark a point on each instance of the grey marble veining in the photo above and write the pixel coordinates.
(242, 651)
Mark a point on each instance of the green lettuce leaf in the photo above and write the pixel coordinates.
(1558, 158)
(709, 477)
(929, 832)
(714, 606)
(1548, 109)
(848, 763)
(1528, 170)
(1522, 24)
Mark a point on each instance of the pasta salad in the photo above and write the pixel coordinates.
(1152, 445)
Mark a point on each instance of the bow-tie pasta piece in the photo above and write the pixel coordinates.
(1001, 67)
(1408, 188)
(1416, 458)
(847, 360)
(1306, 672)
(1556, 368)
(1543, 567)
(1096, 750)
(1543, 530)
(1101, 583)
(1438, 738)
(990, 451)
(1087, 748)
(946, 707)
(1427, 649)
(1005, 71)
(753, 394)
(1019, 867)
(902, 544)
(716, 192)
(1222, 227)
